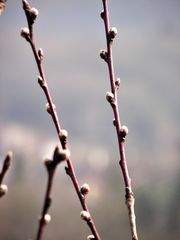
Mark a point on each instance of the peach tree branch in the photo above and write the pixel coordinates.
(28, 34)
(122, 131)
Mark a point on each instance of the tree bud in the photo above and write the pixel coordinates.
(123, 132)
(90, 237)
(85, 215)
(34, 13)
(117, 82)
(25, 33)
(104, 55)
(47, 218)
(85, 189)
(63, 135)
(40, 53)
(3, 190)
(110, 97)
(102, 15)
(48, 108)
(112, 33)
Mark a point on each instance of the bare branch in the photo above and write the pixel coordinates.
(121, 131)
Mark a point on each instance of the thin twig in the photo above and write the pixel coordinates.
(5, 167)
(121, 131)
(28, 34)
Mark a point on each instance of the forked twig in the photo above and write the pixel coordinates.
(121, 131)
(28, 34)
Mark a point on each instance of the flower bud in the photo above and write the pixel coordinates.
(85, 189)
(104, 55)
(85, 215)
(48, 108)
(123, 132)
(90, 237)
(112, 33)
(110, 97)
(25, 33)
(33, 13)
(41, 81)
(3, 189)
(117, 82)
(63, 135)
(102, 15)
(40, 53)
(47, 218)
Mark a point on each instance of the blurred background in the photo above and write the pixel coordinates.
(147, 59)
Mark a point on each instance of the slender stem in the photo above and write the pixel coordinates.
(121, 141)
(6, 165)
(69, 169)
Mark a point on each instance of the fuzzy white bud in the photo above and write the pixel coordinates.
(90, 237)
(123, 132)
(110, 97)
(113, 32)
(3, 189)
(63, 134)
(34, 13)
(85, 189)
(47, 218)
(117, 82)
(85, 215)
(25, 33)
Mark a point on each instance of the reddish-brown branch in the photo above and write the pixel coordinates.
(69, 169)
(110, 34)
(5, 167)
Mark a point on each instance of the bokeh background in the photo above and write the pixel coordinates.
(147, 59)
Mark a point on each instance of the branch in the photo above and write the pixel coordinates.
(122, 131)
(28, 34)
(5, 167)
